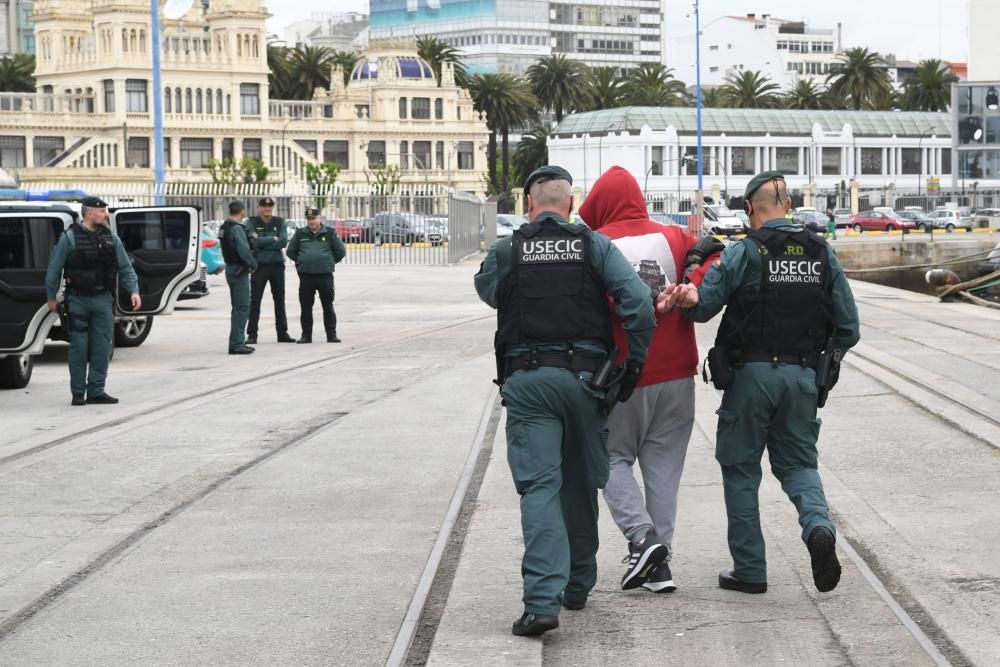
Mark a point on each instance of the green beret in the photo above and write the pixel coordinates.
(760, 179)
(94, 202)
(547, 173)
(312, 212)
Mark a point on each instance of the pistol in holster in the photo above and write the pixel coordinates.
(608, 379)
(827, 371)
(65, 320)
(723, 374)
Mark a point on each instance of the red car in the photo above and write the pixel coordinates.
(349, 230)
(880, 221)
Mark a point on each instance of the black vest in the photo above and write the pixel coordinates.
(92, 267)
(790, 318)
(551, 294)
(227, 240)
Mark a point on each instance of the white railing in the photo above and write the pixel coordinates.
(297, 109)
(42, 103)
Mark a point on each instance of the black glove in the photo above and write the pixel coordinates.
(633, 371)
(701, 251)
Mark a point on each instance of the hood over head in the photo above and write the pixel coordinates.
(615, 197)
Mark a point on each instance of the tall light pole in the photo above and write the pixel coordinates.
(920, 152)
(158, 167)
(699, 198)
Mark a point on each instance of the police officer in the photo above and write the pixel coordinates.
(240, 264)
(786, 300)
(268, 234)
(550, 283)
(316, 249)
(89, 258)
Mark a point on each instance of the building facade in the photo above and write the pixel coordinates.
(782, 50)
(339, 32)
(820, 149)
(510, 35)
(91, 117)
(16, 27)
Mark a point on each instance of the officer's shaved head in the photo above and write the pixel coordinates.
(770, 201)
(552, 194)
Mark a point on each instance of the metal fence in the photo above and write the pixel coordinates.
(428, 226)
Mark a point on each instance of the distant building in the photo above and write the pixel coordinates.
(339, 32)
(510, 35)
(782, 50)
(984, 47)
(16, 29)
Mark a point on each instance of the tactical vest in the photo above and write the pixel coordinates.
(791, 316)
(92, 267)
(552, 294)
(227, 241)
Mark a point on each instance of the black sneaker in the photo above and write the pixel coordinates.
(78, 400)
(285, 338)
(532, 624)
(642, 558)
(729, 582)
(822, 547)
(305, 339)
(102, 399)
(251, 340)
(332, 338)
(242, 349)
(660, 579)
(574, 601)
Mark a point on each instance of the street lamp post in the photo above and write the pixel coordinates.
(284, 153)
(158, 166)
(920, 152)
(688, 160)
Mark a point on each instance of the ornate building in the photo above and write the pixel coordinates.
(91, 117)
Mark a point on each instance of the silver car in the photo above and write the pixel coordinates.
(950, 220)
(842, 217)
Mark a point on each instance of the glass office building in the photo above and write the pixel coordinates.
(510, 35)
(976, 131)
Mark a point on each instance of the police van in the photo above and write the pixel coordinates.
(163, 244)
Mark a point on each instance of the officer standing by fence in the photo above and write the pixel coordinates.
(316, 249)
(89, 258)
(550, 283)
(269, 235)
(789, 310)
(240, 263)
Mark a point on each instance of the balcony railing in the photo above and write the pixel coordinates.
(44, 103)
(297, 110)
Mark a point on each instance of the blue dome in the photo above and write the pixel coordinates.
(405, 67)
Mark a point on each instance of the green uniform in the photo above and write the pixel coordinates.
(238, 277)
(770, 406)
(268, 239)
(556, 435)
(92, 317)
(316, 252)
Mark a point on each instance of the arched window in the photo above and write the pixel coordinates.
(218, 101)
(239, 46)
(208, 101)
(256, 47)
(229, 108)
(132, 41)
(197, 102)
(142, 41)
(167, 97)
(178, 106)
(187, 100)
(246, 45)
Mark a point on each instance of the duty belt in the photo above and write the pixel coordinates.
(806, 361)
(574, 361)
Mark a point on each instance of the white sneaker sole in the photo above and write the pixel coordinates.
(650, 559)
(660, 586)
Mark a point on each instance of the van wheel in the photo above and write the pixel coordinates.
(949, 227)
(858, 228)
(132, 331)
(15, 371)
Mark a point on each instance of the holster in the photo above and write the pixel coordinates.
(722, 372)
(827, 372)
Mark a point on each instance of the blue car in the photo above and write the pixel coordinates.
(211, 262)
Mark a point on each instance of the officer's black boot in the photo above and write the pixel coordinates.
(78, 400)
(285, 338)
(728, 581)
(533, 624)
(251, 340)
(102, 399)
(332, 338)
(822, 547)
(307, 337)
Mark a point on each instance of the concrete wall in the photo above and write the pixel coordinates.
(891, 252)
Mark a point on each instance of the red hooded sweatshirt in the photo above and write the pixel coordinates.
(616, 208)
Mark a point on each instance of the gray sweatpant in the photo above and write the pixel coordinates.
(653, 427)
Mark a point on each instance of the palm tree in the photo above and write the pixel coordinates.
(531, 153)
(508, 103)
(750, 90)
(436, 52)
(858, 76)
(711, 98)
(605, 89)
(805, 94)
(884, 100)
(929, 87)
(561, 84)
(309, 68)
(278, 80)
(347, 61)
(653, 85)
(17, 73)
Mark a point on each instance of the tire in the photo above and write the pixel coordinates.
(132, 331)
(924, 228)
(890, 228)
(949, 228)
(15, 371)
(858, 228)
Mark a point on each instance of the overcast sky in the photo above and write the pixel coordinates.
(911, 29)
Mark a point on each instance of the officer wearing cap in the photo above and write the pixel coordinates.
(788, 304)
(240, 264)
(89, 259)
(550, 284)
(269, 235)
(316, 249)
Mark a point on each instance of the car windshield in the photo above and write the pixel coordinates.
(721, 211)
(842, 211)
(511, 221)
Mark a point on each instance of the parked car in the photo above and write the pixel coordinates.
(720, 220)
(842, 217)
(951, 219)
(211, 263)
(507, 223)
(392, 228)
(991, 263)
(987, 217)
(351, 231)
(880, 221)
(923, 221)
(814, 221)
(438, 230)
